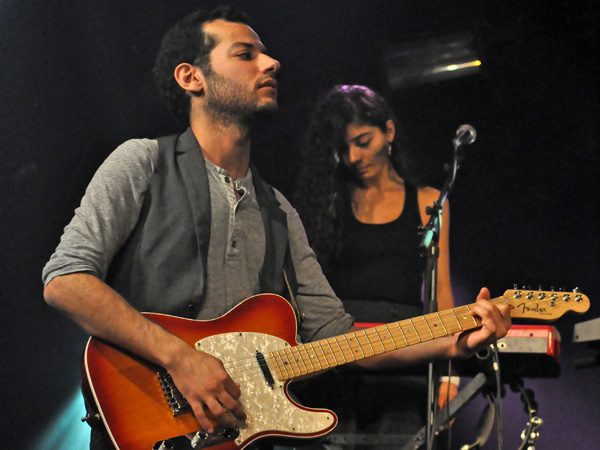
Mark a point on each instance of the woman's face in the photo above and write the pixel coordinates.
(367, 153)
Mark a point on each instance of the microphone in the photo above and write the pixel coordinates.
(465, 135)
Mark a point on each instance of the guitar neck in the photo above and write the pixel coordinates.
(292, 362)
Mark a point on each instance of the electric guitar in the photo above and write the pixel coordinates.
(141, 408)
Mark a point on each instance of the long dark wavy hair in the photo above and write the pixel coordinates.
(325, 185)
(186, 42)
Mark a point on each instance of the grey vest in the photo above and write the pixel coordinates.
(162, 265)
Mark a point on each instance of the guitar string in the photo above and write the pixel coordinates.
(250, 369)
(422, 326)
(387, 338)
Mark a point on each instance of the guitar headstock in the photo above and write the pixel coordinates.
(544, 305)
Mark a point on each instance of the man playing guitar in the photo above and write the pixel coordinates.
(184, 225)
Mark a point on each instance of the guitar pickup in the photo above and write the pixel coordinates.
(177, 402)
(262, 363)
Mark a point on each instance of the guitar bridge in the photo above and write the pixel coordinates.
(175, 399)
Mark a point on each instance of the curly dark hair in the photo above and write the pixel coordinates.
(325, 185)
(186, 42)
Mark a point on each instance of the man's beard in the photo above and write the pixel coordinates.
(230, 103)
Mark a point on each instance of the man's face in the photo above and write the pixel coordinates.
(241, 79)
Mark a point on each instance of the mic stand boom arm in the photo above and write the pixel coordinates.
(430, 232)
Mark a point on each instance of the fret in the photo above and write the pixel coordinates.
(442, 322)
(416, 332)
(374, 341)
(313, 355)
(456, 318)
(356, 345)
(364, 332)
(326, 355)
(428, 327)
(410, 332)
(350, 346)
(449, 321)
(474, 321)
(385, 337)
(299, 358)
(302, 347)
(331, 353)
(464, 317)
(391, 337)
(378, 338)
(402, 333)
(365, 343)
(434, 322)
(271, 357)
(341, 340)
(284, 364)
(289, 354)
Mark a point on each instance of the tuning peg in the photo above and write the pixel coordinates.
(577, 290)
(540, 287)
(516, 287)
(552, 288)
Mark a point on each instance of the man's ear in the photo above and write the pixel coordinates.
(190, 78)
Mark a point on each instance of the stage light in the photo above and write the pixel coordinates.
(67, 432)
(458, 66)
(431, 60)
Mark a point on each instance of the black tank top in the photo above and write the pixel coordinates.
(379, 272)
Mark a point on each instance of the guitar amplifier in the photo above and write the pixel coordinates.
(527, 351)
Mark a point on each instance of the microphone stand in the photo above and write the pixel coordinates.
(430, 247)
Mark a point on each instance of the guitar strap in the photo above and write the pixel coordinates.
(292, 300)
(277, 274)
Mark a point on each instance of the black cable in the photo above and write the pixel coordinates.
(431, 408)
(449, 440)
(499, 420)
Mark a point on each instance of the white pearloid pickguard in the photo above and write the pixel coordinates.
(268, 408)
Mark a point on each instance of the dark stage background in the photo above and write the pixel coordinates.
(75, 83)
